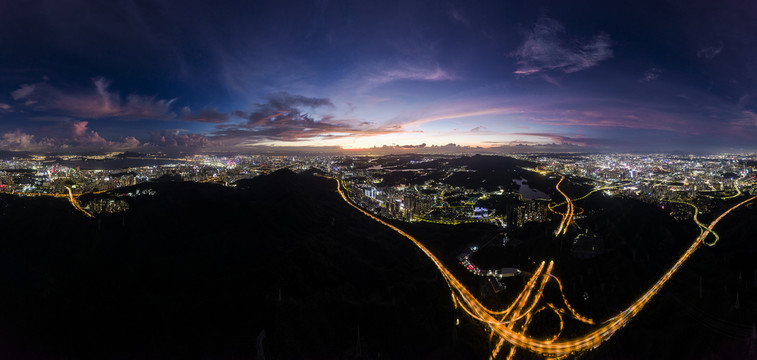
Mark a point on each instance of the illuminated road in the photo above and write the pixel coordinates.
(567, 218)
(570, 213)
(702, 226)
(75, 203)
(737, 194)
(71, 198)
(20, 193)
(451, 221)
(504, 323)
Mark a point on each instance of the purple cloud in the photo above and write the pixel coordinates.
(409, 73)
(559, 139)
(18, 141)
(285, 117)
(81, 134)
(176, 138)
(97, 103)
(22, 92)
(543, 50)
(80, 138)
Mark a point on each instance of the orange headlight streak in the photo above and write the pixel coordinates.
(504, 326)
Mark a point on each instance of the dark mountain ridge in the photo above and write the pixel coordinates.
(204, 271)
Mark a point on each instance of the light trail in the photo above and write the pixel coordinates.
(21, 193)
(550, 348)
(702, 226)
(570, 213)
(568, 216)
(551, 207)
(71, 198)
(75, 203)
(518, 314)
(556, 311)
(572, 311)
(737, 194)
(451, 221)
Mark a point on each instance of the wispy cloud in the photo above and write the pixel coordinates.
(698, 115)
(458, 17)
(709, 52)
(748, 101)
(749, 118)
(98, 102)
(384, 76)
(462, 114)
(22, 92)
(543, 50)
(651, 75)
(550, 80)
(558, 139)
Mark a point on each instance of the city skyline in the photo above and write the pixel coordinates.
(314, 76)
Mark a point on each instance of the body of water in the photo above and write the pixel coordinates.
(528, 193)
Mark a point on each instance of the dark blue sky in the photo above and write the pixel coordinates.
(237, 75)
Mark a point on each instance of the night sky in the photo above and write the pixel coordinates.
(247, 75)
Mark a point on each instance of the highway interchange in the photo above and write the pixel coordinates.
(508, 326)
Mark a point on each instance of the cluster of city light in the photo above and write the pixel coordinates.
(509, 325)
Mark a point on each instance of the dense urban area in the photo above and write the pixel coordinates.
(428, 188)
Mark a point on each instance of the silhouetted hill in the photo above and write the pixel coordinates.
(279, 178)
(207, 271)
(204, 271)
